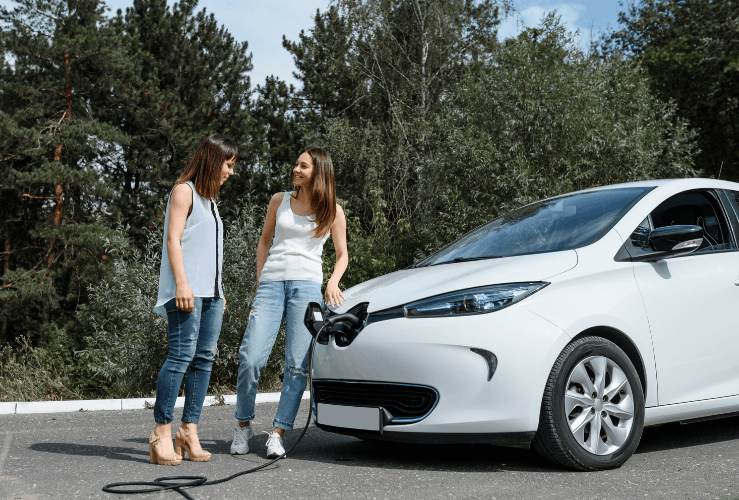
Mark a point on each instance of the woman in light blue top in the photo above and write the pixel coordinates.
(289, 275)
(191, 297)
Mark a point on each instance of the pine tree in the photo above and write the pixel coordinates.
(189, 80)
(55, 152)
(331, 86)
(279, 131)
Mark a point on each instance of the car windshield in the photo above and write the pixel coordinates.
(563, 223)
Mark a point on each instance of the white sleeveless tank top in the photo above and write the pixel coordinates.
(295, 254)
(202, 253)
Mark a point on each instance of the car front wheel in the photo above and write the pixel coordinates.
(592, 413)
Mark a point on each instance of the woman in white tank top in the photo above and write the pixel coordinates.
(289, 276)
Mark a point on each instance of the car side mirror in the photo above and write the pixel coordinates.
(671, 241)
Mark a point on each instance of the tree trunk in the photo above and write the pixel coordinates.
(59, 188)
(6, 267)
(58, 206)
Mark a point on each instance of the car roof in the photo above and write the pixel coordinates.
(664, 182)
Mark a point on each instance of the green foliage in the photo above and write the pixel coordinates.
(433, 126)
(541, 119)
(54, 146)
(51, 373)
(387, 69)
(127, 342)
(376, 172)
(277, 132)
(690, 48)
(330, 84)
(544, 120)
(410, 53)
(188, 78)
(99, 117)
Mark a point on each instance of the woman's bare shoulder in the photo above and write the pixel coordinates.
(182, 194)
(275, 202)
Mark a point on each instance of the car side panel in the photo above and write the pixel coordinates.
(727, 406)
(600, 292)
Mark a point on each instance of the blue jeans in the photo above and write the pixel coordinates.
(193, 339)
(275, 301)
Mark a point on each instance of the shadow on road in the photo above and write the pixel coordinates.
(91, 450)
(331, 448)
(675, 435)
(326, 448)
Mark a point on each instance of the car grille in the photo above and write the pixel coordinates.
(407, 403)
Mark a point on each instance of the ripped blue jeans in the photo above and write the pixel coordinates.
(276, 301)
(193, 340)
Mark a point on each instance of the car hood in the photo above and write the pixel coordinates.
(408, 285)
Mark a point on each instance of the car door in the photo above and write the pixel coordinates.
(692, 302)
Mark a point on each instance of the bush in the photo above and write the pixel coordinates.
(29, 373)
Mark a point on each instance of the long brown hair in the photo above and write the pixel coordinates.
(323, 191)
(206, 163)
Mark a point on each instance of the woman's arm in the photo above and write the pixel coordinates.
(267, 232)
(338, 233)
(180, 206)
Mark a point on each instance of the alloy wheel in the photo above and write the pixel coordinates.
(599, 405)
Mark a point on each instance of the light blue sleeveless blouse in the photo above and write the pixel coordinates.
(202, 253)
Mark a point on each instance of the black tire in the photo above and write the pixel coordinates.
(553, 440)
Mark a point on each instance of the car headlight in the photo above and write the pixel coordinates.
(480, 300)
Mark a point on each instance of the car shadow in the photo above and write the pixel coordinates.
(327, 448)
(330, 448)
(676, 435)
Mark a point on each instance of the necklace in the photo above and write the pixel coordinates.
(305, 212)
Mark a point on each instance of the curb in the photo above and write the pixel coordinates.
(119, 404)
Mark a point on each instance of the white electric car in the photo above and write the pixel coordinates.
(568, 324)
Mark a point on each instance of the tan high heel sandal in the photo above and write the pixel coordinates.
(181, 446)
(156, 457)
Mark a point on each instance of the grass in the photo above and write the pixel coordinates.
(32, 374)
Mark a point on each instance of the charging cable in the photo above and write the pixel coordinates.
(176, 483)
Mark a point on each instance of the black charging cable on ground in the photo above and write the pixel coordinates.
(176, 483)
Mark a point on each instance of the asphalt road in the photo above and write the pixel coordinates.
(73, 455)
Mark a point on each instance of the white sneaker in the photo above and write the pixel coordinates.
(240, 444)
(274, 446)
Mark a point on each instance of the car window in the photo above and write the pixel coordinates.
(564, 223)
(638, 242)
(734, 200)
(696, 208)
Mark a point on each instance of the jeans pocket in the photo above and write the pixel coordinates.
(170, 306)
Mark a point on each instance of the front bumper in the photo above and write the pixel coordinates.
(435, 352)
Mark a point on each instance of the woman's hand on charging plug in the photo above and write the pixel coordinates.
(333, 295)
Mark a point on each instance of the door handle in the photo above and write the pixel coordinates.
(737, 282)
